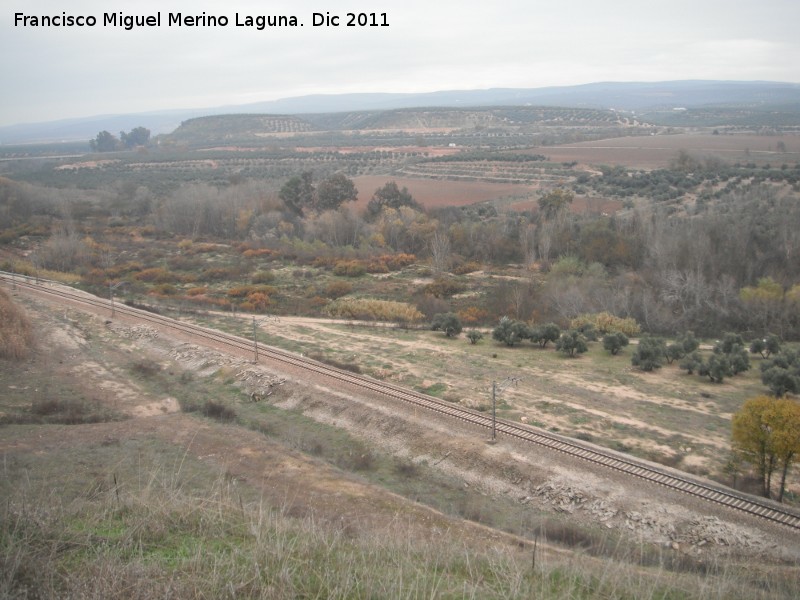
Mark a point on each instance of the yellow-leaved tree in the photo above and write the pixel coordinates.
(766, 432)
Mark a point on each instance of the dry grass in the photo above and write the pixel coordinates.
(164, 538)
(16, 333)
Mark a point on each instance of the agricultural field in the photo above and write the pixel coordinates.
(660, 151)
(433, 193)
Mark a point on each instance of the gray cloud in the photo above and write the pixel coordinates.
(52, 73)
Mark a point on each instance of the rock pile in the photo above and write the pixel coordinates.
(135, 332)
(254, 381)
(657, 525)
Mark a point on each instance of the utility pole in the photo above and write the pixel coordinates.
(111, 289)
(494, 411)
(255, 340)
(499, 387)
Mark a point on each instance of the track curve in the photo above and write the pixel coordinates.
(575, 448)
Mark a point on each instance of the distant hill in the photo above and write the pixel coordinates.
(620, 96)
(639, 97)
(235, 128)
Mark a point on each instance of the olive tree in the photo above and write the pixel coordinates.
(449, 323)
(766, 346)
(782, 373)
(614, 342)
(510, 332)
(571, 343)
(649, 354)
(542, 334)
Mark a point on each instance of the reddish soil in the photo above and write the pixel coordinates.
(657, 151)
(432, 193)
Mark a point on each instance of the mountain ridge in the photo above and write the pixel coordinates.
(624, 96)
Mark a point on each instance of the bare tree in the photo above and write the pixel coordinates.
(527, 242)
(440, 251)
(544, 239)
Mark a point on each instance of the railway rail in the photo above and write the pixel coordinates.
(645, 471)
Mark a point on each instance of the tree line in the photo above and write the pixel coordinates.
(108, 142)
(735, 267)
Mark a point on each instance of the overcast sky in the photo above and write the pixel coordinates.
(51, 73)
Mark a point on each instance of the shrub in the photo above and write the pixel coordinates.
(373, 310)
(156, 275)
(444, 288)
(572, 343)
(614, 342)
(782, 373)
(16, 333)
(255, 302)
(588, 330)
(260, 253)
(607, 323)
(376, 265)
(218, 411)
(146, 367)
(219, 273)
(674, 352)
(430, 306)
(164, 289)
(474, 336)
(185, 263)
(337, 289)
(69, 411)
(733, 348)
(541, 334)
(467, 267)
(349, 268)
(717, 368)
(692, 362)
(473, 315)
(261, 277)
(242, 291)
(345, 366)
(766, 346)
(510, 332)
(685, 344)
(395, 262)
(449, 323)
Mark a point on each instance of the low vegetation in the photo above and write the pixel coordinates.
(167, 538)
(16, 334)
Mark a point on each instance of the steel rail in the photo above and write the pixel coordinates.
(575, 448)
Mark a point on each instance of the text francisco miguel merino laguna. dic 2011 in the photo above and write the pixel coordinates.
(179, 19)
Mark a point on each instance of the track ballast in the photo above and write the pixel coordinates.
(575, 448)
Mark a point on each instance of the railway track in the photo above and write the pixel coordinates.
(608, 459)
